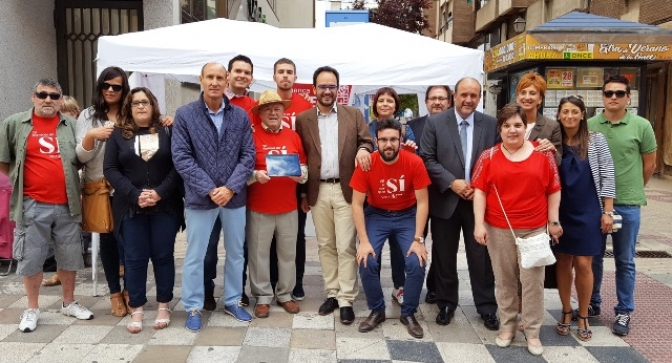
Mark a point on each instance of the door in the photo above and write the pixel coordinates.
(656, 77)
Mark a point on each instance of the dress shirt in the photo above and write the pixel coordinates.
(328, 127)
(470, 142)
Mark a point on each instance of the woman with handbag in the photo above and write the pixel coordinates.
(517, 198)
(94, 127)
(148, 207)
(586, 210)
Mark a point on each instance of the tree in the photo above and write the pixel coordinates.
(400, 14)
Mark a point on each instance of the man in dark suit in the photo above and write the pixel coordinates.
(437, 100)
(335, 139)
(451, 143)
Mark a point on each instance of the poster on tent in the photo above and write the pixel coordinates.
(343, 97)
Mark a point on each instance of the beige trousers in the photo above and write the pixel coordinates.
(261, 228)
(336, 232)
(505, 259)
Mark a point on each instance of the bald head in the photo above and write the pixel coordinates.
(211, 65)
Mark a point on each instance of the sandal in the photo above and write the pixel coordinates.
(561, 327)
(162, 323)
(135, 327)
(584, 333)
(117, 305)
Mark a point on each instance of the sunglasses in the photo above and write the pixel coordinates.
(115, 87)
(619, 94)
(43, 95)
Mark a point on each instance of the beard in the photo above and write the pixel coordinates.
(384, 154)
(326, 104)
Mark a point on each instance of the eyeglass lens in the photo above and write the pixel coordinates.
(43, 95)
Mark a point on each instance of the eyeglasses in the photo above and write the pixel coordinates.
(440, 99)
(610, 94)
(272, 109)
(393, 140)
(137, 104)
(43, 95)
(115, 87)
(330, 87)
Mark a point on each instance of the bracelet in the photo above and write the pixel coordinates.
(610, 214)
(554, 223)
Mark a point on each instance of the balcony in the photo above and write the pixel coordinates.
(486, 15)
(507, 7)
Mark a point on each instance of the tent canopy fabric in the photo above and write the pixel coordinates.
(364, 54)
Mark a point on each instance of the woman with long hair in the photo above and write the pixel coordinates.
(586, 210)
(148, 208)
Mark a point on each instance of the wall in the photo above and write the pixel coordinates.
(296, 13)
(28, 51)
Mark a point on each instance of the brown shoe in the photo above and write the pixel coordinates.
(129, 309)
(412, 326)
(52, 281)
(117, 305)
(370, 323)
(261, 310)
(290, 306)
(121, 272)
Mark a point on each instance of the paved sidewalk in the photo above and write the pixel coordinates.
(308, 337)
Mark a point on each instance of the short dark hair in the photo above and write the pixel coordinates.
(457, 85)
(509, 111)
(100, 107)
(48, 82)
(325, 69)
(429, 89)
(283, 61)
(617, 79)
(241, 58)
(388, 124)
(391, 92)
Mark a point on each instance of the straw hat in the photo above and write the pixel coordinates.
(267, 97)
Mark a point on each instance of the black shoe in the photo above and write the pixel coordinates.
(621, 325)
(244, 299)
(445, 314)
(347, 315)
(412, 325)
(298, 294)
(430, 298)
(209, 303)
(594, 311)
(328, 306)
(490, 321)
(370, 323)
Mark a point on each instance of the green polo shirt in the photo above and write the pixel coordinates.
(628, 140)
(13, 137)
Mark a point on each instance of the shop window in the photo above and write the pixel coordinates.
(198, 10)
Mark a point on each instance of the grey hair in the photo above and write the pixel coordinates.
(48, 82)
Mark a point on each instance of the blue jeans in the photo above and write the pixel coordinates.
(145, 237)
(211, 258)
(199, 230)
(380, 226)
(624, 242)
(396, 262)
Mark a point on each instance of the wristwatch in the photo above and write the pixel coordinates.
(554, 223)
(419, 239)
(610, 214)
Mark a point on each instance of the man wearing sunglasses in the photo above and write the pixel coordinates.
(47, 211)
(633, 147)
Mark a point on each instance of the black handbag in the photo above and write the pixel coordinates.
(551, 277)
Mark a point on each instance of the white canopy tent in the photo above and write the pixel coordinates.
(367, 56)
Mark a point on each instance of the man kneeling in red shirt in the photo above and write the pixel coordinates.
(396, 187)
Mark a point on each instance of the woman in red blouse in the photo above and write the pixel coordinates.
(528, 184)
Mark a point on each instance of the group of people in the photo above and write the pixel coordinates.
(207, 170)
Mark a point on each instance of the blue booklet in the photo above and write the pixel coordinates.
(283, 165)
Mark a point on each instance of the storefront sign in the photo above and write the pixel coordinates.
(501, 55)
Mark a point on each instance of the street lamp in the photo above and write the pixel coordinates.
(519, 24)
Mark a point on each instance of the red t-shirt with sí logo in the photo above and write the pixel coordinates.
(43, 175)
(392, 187)
(299, 104)
(279, 194)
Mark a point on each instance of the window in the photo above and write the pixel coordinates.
(198, 10)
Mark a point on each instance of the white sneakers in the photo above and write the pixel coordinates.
(29, 320)
(76, 310)
(398, 295)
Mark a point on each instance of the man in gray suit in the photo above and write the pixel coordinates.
(451, 143)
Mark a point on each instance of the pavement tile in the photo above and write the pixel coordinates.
(363, 361)
(459, 330)
(43, 334)
(276, 319)
(464, 352)
(353, 348)
(173, 335)
(20, 352)
(568, 354)
(10, 316)
(7, 329)
(518, 354)
(297, 355)
(213, 354)
(113, 353)
(119, 335)
(262, 354)
(602, 337)
(62, 353)
(83, 334)
(616, 355)
(54, 317)
(395, 330)
(415, 351)
(7, 300)
(549, 337)
(163, 354)
(352, 331)
(268, 337)
(313, 321)
(313, 339)
(45, 301)
(12, 288)
(218, 318)
(101, 317)
(219, 336)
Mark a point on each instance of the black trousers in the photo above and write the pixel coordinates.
(431, 278)
(446, 238)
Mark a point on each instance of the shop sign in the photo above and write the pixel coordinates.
(646, 52)
(501, 55)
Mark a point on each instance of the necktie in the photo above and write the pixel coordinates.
(463, 138)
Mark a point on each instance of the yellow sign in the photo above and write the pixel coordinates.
(526, 47)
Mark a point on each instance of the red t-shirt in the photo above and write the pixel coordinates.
(392, 187)
(298, 105)
(279, 194)
(43, 176)
(523, 187)
(246, 103)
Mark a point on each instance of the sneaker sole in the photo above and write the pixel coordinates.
(72, 316)
(237, 318)
(298, 298)
(28, 330)
(192, 330)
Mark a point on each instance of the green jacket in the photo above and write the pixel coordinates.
(14, 133)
